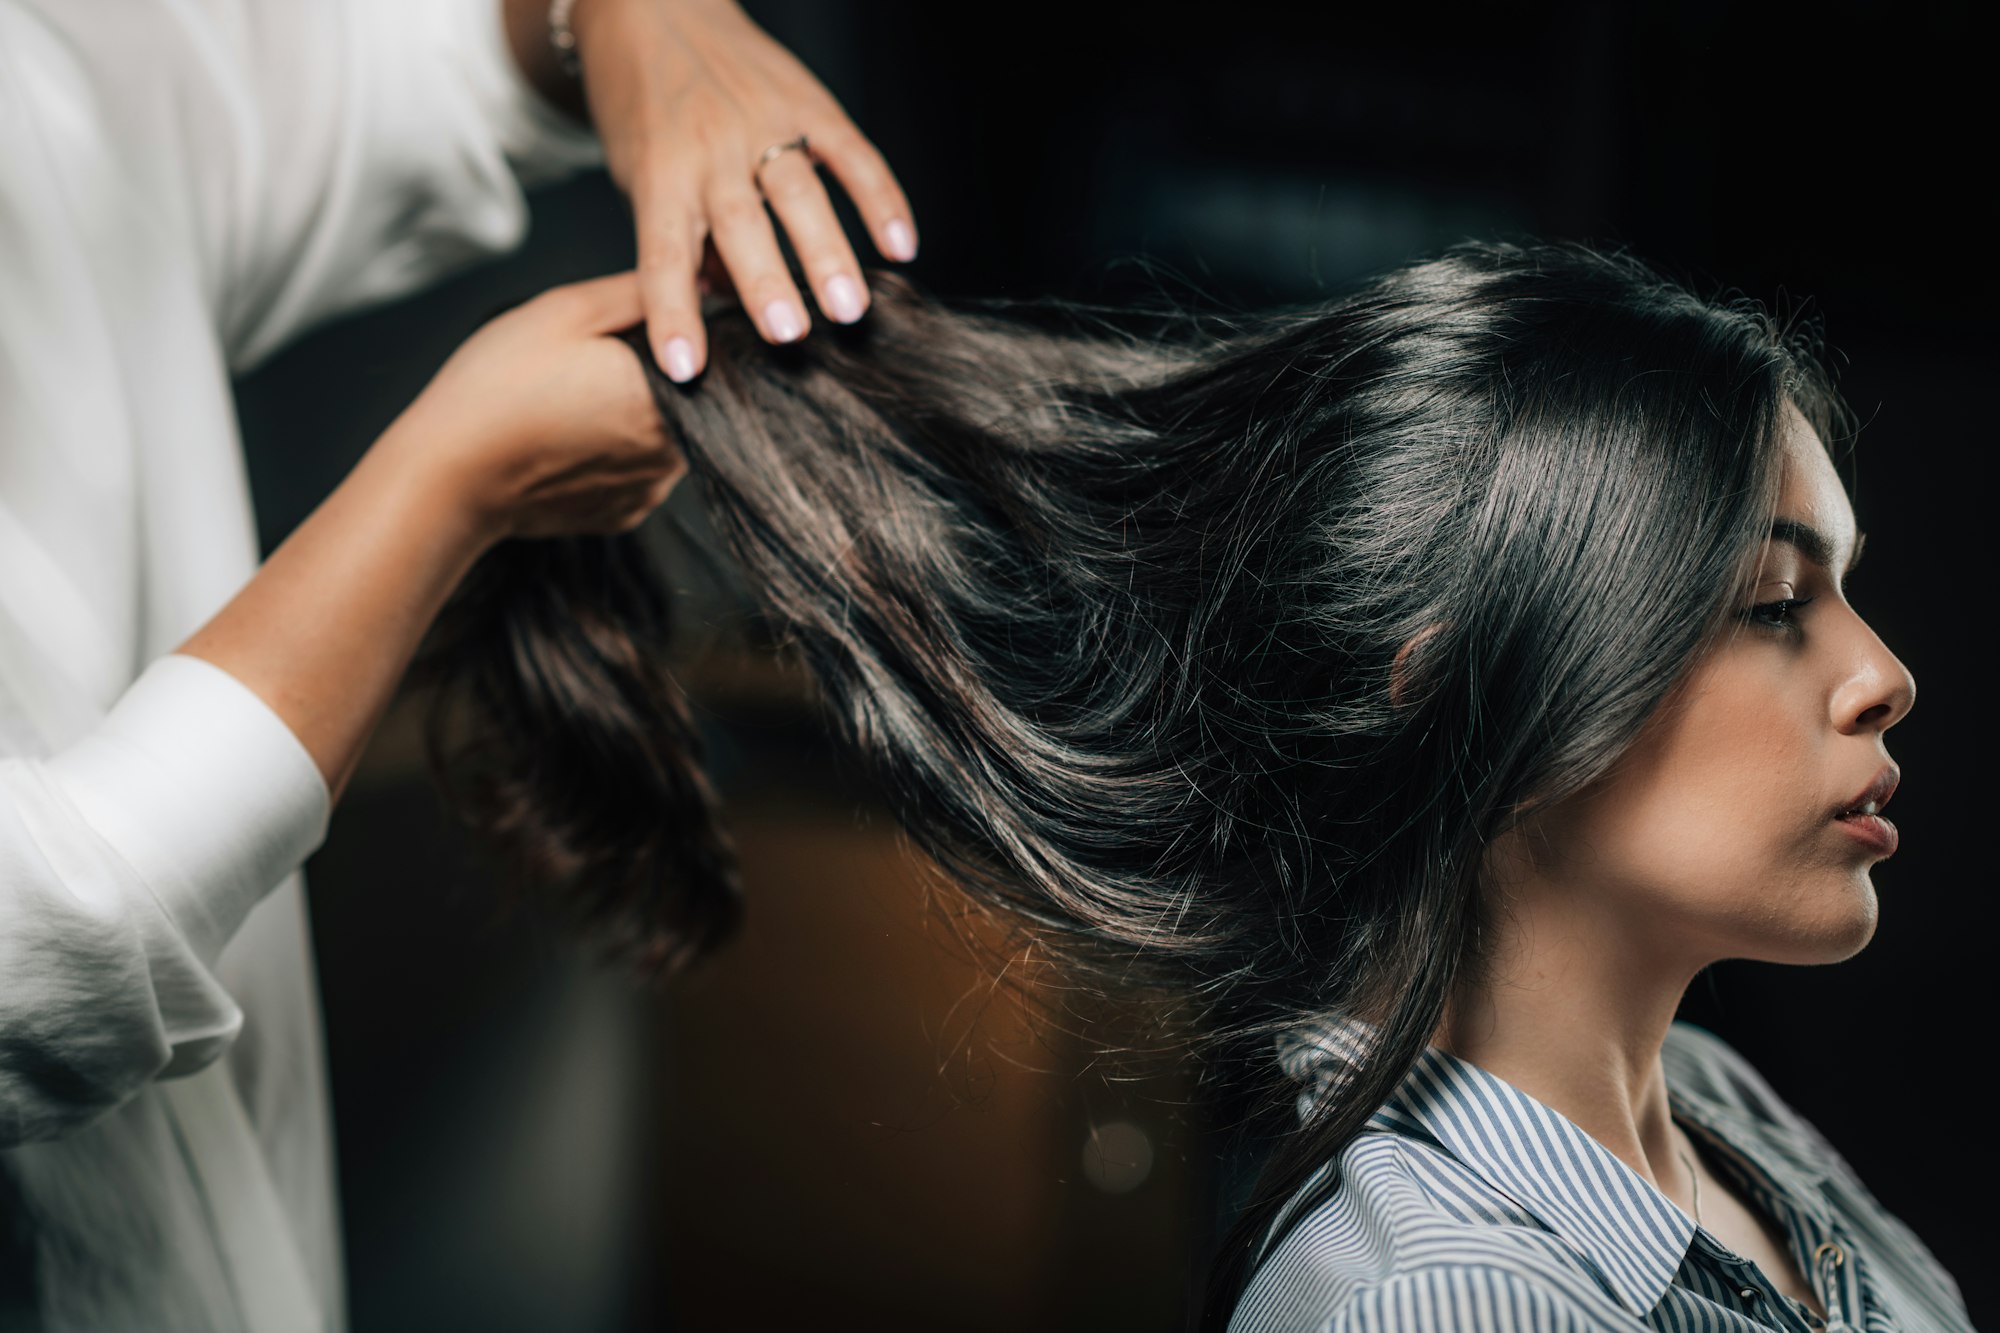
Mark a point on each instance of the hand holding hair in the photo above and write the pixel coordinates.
(705, 120)
(540, 424)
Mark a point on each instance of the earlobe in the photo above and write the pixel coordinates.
(1403, 670)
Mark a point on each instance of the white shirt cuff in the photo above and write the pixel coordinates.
(203, 790)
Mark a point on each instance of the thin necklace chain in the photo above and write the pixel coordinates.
(1695, 1179)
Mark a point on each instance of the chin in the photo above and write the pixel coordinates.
(1863, 929)
(1841, 927)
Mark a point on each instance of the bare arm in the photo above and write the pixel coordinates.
(538, 425)
(327, 627)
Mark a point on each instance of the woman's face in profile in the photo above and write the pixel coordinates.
(1740, 824)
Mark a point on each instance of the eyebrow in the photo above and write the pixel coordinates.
(1813, 544)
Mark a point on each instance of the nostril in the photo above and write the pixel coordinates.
(1876, 716)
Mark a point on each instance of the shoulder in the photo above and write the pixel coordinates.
(1698, 1063)
(1409, 1239)
(1448, 1297)
(1701, 1066)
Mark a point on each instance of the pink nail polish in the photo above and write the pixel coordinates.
(783, 322)
(843, 298)
(898, 241)
(679, 360)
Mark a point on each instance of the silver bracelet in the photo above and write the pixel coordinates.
(562, 37)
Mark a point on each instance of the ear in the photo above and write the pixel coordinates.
(1402, 674)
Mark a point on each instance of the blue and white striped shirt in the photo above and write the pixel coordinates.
(1468, 1205)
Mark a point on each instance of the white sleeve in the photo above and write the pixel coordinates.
(127, 861)
(381, 145)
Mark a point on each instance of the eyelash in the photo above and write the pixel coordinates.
(1778, 615)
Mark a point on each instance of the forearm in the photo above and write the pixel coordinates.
(325, 630)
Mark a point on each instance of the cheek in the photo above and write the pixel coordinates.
(1729, 772)
(1715, 823)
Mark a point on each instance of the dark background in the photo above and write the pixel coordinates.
(838, 1123)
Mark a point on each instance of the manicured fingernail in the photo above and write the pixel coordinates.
(843, 298)
(679, 360)
(784, 322)
(898, 241)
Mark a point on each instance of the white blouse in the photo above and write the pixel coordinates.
(185, 185)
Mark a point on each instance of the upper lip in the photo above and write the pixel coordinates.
(1875, 795)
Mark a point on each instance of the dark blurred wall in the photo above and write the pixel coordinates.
(1244, 155)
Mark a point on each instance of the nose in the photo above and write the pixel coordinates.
(1878, 692)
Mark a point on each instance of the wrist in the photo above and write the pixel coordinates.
(562, 38)
(415, 476)
(531, 42)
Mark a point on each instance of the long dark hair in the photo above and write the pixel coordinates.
(1220, 654)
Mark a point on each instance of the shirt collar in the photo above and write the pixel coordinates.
(1777, 1159)
(1627, 1230)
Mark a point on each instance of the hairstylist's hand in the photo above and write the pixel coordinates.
(541, 422)
(687, 95)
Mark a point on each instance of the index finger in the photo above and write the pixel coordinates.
(670, 237)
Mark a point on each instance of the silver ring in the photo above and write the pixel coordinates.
(776, 150)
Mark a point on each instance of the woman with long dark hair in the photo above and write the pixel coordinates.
(1424, 687)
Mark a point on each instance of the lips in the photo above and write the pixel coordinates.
(1874, 796)
(1862, 816)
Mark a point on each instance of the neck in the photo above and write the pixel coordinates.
(1572, 1009)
